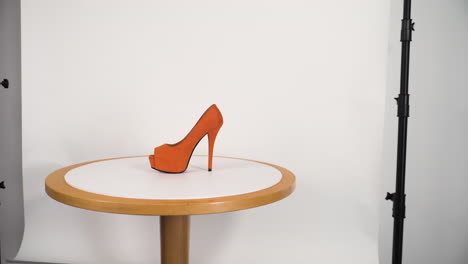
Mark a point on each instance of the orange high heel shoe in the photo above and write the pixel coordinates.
(174, 158)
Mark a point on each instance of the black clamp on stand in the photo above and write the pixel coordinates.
(407, 28)
(403, 105)
(399, 207)
(5, 83)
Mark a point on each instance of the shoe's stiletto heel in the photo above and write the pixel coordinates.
(211, 140)
(174, 158)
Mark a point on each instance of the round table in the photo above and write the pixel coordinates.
(129, 186)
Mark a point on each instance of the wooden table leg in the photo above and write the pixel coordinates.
(175, 239)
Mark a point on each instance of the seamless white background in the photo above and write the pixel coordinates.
(301, 84)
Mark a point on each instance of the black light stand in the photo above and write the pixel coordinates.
(398, 197)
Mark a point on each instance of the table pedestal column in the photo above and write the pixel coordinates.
(175, 239)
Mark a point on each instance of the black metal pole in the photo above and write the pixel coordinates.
(399, 196)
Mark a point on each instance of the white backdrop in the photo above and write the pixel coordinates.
(300, 83)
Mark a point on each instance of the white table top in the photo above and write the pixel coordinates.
(134, 178)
